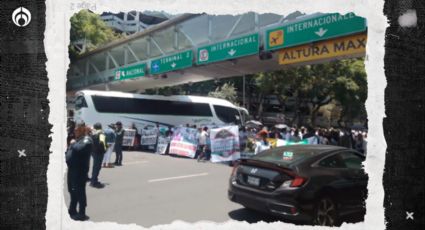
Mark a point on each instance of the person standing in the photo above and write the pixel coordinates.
(71, 134)
(359, 143)
(243, 138)
(310, 136)
(110, 142)
(263, 144)
(99, 149)
(157, 133)
(78, 161)
(119, 137)
(203, 144)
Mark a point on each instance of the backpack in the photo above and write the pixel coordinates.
(98, 147)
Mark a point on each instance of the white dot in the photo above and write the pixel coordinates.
(408, 19)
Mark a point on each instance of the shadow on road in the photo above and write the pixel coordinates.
(251, 216)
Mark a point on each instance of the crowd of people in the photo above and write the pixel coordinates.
(354, 139)
(99, 143)
(84, 143)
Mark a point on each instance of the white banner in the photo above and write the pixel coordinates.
(129, 135)
(184, 142)
(162, 144)
(225, 144)
(149, 136)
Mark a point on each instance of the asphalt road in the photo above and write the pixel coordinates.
(152, 189)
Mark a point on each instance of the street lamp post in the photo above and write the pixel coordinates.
(243, 91)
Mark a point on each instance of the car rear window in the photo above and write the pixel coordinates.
(283, 156)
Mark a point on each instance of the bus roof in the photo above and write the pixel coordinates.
(186, 98)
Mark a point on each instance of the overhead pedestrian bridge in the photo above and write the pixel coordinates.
(197, 47)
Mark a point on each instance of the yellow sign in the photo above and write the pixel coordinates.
(272, 141)
(355, 44)
(276, 38)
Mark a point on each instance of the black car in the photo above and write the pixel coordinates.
(318, 184)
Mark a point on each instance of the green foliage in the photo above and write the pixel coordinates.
(226, 91)
(90, 30)
(343, 81)
(312, 86)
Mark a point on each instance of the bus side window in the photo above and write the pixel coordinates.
(80, 102)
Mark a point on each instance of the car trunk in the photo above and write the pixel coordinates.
(261, 175)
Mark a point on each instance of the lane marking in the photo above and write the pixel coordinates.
(177, 177)
(136, 162)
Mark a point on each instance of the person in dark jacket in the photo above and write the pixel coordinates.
(71, 134)
(119, 137)
(99, 149)
(78, 161)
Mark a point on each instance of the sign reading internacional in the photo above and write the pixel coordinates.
(229, 49)
(314, 29)
(129, 72)
(351, 45)
(172, 62)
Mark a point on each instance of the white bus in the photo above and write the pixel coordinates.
(109, 107)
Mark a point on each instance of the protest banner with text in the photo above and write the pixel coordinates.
(184, 142)
(225, 144)
(129, 135)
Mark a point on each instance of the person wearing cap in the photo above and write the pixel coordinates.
(110, 142)
(78, 161)
(263, 144)
(99, 149)
(119, 137)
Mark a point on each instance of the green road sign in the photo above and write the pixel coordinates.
(129, 72)
(229, 49)
(172, 62)
(314, 29)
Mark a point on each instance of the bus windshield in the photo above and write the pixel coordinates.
(228, 114)
(80, 102)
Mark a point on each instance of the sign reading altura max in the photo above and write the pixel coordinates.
(229, 49)
(314, 29)
(172, 62)
(344, 46)
(129, 72)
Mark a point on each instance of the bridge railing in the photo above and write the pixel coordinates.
(178, 34)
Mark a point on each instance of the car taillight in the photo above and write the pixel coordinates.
(294, 183)
(297, 182)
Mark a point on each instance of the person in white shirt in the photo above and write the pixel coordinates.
(263, 144)
(203, 144)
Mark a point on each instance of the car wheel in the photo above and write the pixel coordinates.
(326, 213)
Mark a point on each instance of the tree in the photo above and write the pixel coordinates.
(318, 85)
(285, 83)
(89, 31)
(226, 91)
(351, 91)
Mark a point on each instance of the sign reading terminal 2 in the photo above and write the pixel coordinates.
(172, 62)
(344, 46)
(314, 29)
(229, 49)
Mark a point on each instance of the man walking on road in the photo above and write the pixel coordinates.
(99, 149)
(78, 161)
(119, 137)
